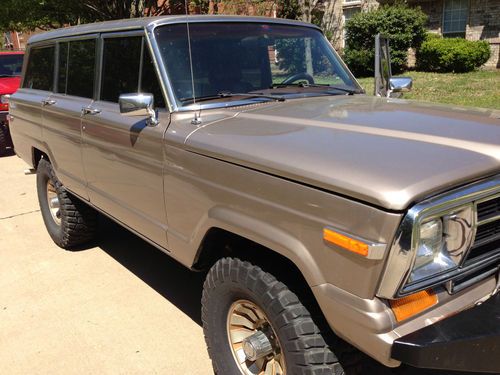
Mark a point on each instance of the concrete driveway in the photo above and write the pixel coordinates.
(117, 306)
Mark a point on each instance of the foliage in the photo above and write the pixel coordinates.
(452, 55)
(289, 9)
(477, 89)
(404, 25)
(19, 15)
(291, 54)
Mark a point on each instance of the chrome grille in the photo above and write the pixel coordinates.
(487, 240)
(488, 209)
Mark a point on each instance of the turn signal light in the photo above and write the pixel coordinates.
(345, 242)
(413, 304)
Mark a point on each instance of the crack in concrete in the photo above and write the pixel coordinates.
(21, 214)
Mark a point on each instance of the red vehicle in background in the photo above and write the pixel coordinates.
(11, 63)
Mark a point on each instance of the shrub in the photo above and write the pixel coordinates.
(404, 25)
(452, 55)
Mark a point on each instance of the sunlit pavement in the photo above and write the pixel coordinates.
(115, 306)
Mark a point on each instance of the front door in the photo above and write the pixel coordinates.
(123, 156)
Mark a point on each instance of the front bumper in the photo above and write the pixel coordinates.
(369, 324)
(467, 341)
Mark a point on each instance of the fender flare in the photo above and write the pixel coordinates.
(263, 233)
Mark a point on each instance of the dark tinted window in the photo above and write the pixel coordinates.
(10, 64)
(40, 70)
(63, 68)
(81, 68)
(120, 69)
(149, 80)
(245, 57)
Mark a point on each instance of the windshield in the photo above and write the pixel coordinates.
(11, 65)
(249, 57)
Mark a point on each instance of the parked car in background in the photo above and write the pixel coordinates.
(11, 63)
(245, 148)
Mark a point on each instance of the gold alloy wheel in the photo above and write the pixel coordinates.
(253, 341)
(53, 201)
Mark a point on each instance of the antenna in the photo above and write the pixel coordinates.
(197, 116)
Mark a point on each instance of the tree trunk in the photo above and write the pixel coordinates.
(307, 7)
(331, 21)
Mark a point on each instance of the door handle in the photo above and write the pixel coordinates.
(48, 102)
(90, 111)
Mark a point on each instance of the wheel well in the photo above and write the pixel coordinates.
(37, 156)
(219, 243)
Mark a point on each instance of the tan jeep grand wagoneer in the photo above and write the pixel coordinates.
(323, 217)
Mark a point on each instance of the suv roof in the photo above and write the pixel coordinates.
(141, 23)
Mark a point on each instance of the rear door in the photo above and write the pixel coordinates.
(123, 156)
(63, 113)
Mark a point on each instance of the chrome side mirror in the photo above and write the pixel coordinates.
(400, 84)
(139, 105)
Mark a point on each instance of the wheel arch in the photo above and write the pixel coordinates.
(37, 155)
(231, 233)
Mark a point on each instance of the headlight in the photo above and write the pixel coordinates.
(441, 243)
(4, 99)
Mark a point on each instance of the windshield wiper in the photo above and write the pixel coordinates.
(325, 85)
(228, 94)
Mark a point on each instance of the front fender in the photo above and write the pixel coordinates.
(266, 235)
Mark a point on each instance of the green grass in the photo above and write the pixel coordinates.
(477, 89)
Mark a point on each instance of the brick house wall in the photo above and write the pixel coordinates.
(483, 20)
(484, 24)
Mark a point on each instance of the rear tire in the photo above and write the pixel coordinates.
(69, 221)
(299, 344)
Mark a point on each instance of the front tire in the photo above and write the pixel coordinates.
(69, 221)
(254, 324)
(5, 140)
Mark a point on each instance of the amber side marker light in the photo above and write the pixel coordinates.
(408, 306)
(345, 242)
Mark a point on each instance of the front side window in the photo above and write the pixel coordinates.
(120, 67)
(149, 80)
(80, 68)
(248, 57)
(455, 17)
(40, 70)
(10, 65)
(132, 76)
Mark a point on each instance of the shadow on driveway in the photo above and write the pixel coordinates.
(183, 287)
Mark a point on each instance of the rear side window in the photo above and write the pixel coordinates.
(78, 60)
(120, 67)
(40, 69)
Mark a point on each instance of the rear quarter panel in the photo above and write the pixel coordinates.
(25, 125)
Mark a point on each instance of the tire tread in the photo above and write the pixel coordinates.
(301, 338)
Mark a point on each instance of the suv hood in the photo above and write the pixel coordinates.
(388, 152)
(9, 85)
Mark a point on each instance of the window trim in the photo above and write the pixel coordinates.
(100, 59)
(115, 35)
(144, 44)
